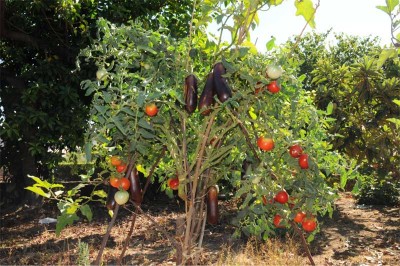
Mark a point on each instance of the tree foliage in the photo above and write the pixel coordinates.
(43, 110)
(362, 89)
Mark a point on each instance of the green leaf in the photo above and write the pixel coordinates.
(118, 124)
(329, 108)
(40, 182)
(88, 151)
(38, 190)
(144, 124)
(270, 44)
(146, 134)
(72, 208)
(391, 4)
(87, 212)
(147, 49)
(306, 9)
(385, 55)
(384, 9)
(99, 193)
(65, 219)
(275, 2)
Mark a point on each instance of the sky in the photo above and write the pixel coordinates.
(353, 17)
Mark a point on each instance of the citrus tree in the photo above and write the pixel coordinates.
(197, 111)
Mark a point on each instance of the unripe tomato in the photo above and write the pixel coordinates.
(173, 183)
(115, 160)
(277, 221)
(101, 74)
(309, 224)
(265, 144)
(274, 71)
(282, 197)
(151, 109)
(303, 161)
(121, 197)
(295, 151)
(121, 168)
(114, 181)
(273, 87)
(124, 183)
(299, 217)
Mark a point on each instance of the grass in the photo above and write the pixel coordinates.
(271, 252)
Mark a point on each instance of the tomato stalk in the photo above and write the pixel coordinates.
(106, 236)
(303, 241)
(133, 219)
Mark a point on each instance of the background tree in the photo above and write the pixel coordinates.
(349, 75)
(42, 108)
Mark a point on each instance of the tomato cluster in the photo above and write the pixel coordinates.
(273, 72)
(308, 222)
(121, 183)
(297, 152)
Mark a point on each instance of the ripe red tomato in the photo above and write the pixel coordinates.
(124, 183)
(273, 87)
(121, 197)
(303, 161)
(282, 197)
(277, 221)
(115, 160)
(299, 217)
(114, 181)
(295, 151)
(265, 144)
(309, 224)
(121, 168)
(151, 109)
(173, 183)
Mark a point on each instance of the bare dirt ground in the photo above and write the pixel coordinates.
(357, 235)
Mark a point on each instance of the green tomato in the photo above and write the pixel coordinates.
(121, 197)
(274, 71)
(101, 74)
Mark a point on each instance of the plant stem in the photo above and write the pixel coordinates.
(304, 242)
(106, 236)
(133, 219)
(246, 135)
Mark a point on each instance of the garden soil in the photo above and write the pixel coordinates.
(356, 235)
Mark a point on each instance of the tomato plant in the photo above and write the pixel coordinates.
(121, 197)
(265, 144)
(282, 197)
